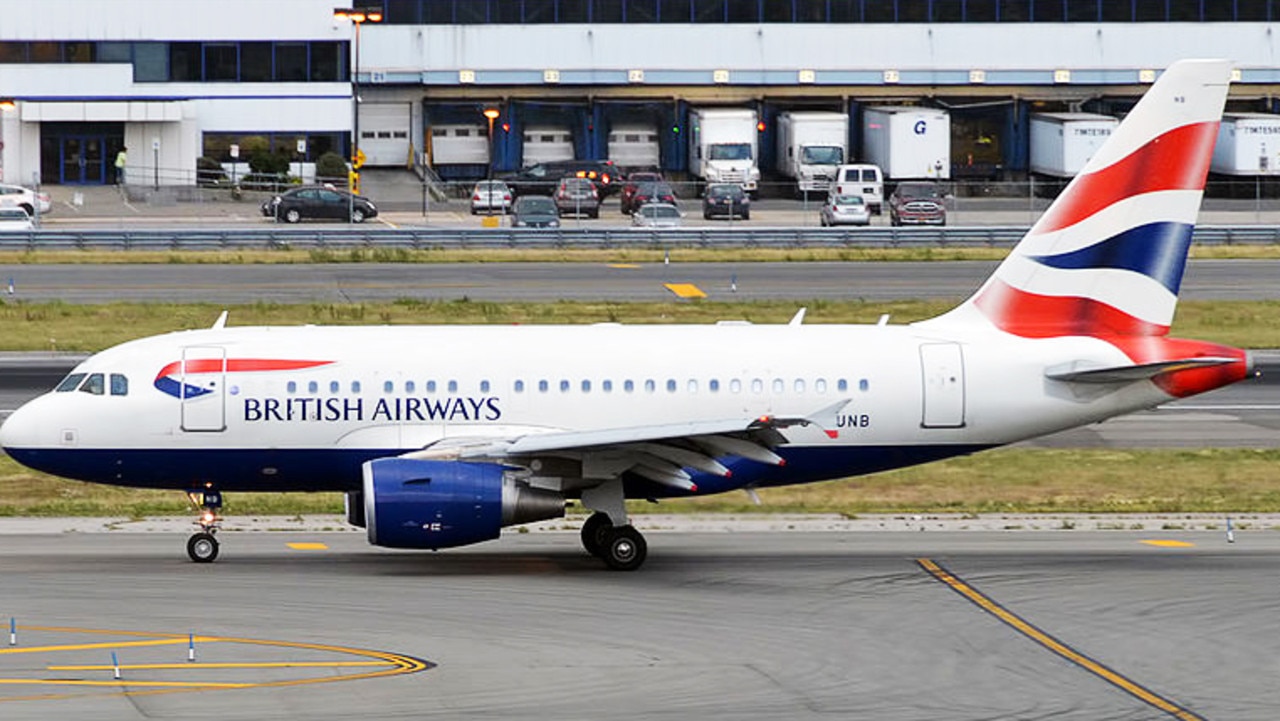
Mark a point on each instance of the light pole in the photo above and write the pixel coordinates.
(492, 114)
(358, 17)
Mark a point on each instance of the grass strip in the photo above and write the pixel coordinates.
(1011, 480)
(632, 253)
(44, 326)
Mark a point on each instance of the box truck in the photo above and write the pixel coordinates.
(908, 142)
(1061, 143)
(723, 146)
(1248, 144)
(811, 145)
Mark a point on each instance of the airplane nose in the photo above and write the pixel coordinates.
(18, 430)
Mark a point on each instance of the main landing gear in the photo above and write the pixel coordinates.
(622, 548)
(202, 547)
(606, 534)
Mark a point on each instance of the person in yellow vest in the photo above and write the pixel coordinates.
(121, 159)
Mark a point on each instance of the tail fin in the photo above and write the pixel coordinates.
(1107, 258)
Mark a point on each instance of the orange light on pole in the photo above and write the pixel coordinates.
(7, 104)
(491, 114)
(358, 17)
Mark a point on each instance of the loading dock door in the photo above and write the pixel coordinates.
(942, 369)
(384, 133)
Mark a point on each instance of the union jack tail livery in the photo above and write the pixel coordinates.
(1106, 260)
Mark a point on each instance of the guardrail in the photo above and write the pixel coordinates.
(740, 236)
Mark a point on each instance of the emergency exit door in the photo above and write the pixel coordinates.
(202, 382)
(942, 370)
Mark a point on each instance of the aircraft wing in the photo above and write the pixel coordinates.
(662, 453)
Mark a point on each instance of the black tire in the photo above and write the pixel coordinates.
(746, 215)
(357, 215)
(31, 211)
(292, 215)
(595, 531)
(625, 549)
(706, 215)
(202, 548)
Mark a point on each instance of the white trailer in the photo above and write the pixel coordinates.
(1248, 144)
(811, 145)
(724, 146)
(1061, 143)
(634, 146)
(908, 142)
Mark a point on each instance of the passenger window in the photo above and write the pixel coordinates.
(355, 386)
(799, 385)
(119, 385)
(842, 385)
(606, 386)
(820, 385)
(671, 385)
(93, 384)
(757, 385)
(70, 383)
(564, 386)
(779, 386)
(519, 386)
(542, 386)
(334, 386)
(453, 386)
(586, 386)
(628, 386)
(388, 387)
(692, 386)
(735, 386)
(484, 386)
(313, 387)
(714, 385)
(408, 386)
(431, 386)
(291, 387)
(650, 386)
(863, 384)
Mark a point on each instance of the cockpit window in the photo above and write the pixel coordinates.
(93, 384)
(70, 383)
(119, 385)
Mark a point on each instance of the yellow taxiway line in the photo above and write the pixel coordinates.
(308, 546)
(1024, 627)
(1169, 544)
(199, 665)
(685, 290)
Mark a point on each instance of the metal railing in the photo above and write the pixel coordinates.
(423, 239)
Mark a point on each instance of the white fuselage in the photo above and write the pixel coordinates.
(375, 391)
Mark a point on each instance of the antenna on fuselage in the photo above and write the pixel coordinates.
(221, 322)
(798, 318)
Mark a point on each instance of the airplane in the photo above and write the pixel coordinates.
(442, 436)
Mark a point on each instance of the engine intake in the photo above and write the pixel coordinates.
(410, 503)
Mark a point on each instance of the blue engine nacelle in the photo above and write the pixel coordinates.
(411, 503)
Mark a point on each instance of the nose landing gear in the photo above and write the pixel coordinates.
(202, 547)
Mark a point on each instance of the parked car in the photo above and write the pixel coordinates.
(653, 192)
(542, 178)
(656, 215)
(864, 180)
(845, 210)
(917, 203)
(578, 197)
(25, 198)
(15, 219)
(726, 199)
(629, 188)
(491, 196)
(319, 202)
(535, 211)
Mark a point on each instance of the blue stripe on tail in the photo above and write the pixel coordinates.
(1157, 250)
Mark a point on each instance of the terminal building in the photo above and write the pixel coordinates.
(588, 79)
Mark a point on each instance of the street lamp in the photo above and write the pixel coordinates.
(358, 17)
(492, 114)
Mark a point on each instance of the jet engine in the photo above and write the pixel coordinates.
(411, 503)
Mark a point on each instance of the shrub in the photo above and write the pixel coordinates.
(209, 172)
(331, 168)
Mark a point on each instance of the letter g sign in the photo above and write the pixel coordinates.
(920, 127)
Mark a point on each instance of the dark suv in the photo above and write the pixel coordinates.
(542, 179)
(917, 203)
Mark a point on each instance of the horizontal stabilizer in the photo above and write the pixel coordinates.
(1079, 372)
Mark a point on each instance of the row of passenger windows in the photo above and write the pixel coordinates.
(95, 384)
(671, 385)
(243, 62)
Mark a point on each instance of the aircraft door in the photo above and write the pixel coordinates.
(942, 368)
(202, 378)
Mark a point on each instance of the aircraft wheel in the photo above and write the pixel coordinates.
(595, 532)
(625, 549)
(202, 547)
